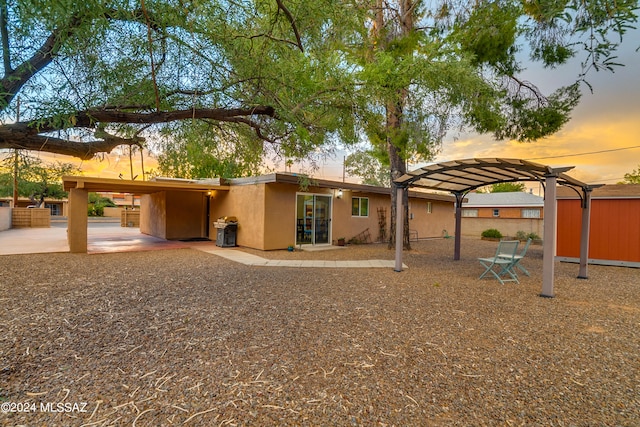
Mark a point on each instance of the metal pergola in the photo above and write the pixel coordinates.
(459, 177)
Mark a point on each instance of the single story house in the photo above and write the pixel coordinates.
(614, 227)
(507, 212)
(273, 211)
(279, 210)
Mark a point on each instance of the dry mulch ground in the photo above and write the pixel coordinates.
(182, 337)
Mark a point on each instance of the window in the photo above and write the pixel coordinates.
(530, 213)
(496, 212)
(429, 207)
(359, 206)
(470, 213)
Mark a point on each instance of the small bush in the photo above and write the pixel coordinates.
(521, 235)
(95, 210)
(492, 232)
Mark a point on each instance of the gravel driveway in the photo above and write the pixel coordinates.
(182, 337)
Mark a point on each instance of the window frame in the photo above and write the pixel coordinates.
(470, 213)
(360, 207)
(536, 213)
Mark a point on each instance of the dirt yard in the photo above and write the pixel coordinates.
(182, 337)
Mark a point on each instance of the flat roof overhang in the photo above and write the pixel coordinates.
(93, 184)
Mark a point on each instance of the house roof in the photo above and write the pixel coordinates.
(615, 191)
(498, 200)
(460, 176)
(292, 178)
(94, 184)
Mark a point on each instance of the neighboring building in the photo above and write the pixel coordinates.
(58, 207)
(274, 212)
(507, 212)
(614, 227)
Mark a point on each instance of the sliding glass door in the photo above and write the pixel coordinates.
(313, 219)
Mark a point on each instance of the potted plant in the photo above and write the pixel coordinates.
(340, 241)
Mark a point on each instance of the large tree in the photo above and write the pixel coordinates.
(93, 75)
(35, 179)
(429, 66)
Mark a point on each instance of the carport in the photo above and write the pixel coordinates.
(459, 177)
(79, 188)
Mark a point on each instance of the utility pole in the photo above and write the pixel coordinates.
(16, 158)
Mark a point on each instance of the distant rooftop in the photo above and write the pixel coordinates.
(511, 199)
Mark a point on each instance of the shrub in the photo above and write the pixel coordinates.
(492, 232)
(521, 235)
(95, 210)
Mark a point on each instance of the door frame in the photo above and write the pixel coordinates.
(330, 219)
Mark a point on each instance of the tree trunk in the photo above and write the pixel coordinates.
(398, 168)
(394, 130)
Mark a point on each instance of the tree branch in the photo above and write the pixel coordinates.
(79, 149)
(292, 21)
(4, 33)
(91, 118)
(28, 135)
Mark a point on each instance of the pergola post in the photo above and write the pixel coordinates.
(584, 235)
(399, 228)
(458, 227)
(549, 235)
(77, 220)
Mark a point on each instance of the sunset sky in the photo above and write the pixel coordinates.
(607, 119)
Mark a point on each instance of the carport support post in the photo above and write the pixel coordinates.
(584, 235)
(549, 235)
(77, 220)
(399, 228)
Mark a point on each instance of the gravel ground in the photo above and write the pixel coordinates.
(182, 337)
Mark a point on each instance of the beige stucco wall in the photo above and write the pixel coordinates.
(153, 214)
(442, 217)
(186, 212)
(5, 218)
(266, 214)
(173, 215)
(247, 204)
(280, 216)
(348, 226)
(507, 226)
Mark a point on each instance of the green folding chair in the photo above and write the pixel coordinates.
(518, 258)
(502, 263)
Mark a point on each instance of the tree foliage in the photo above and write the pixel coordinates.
(289, 78)
(37, 180)
(92, 75)
(632, 177)
(367, 165)
(430, 66)
(507, 187)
